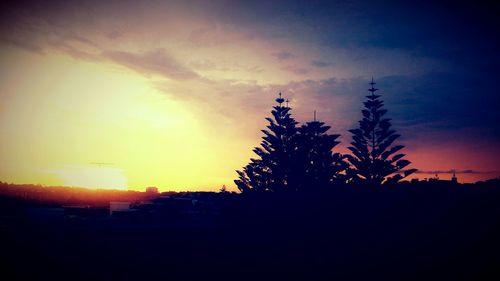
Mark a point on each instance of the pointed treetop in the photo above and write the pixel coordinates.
(315, 116)
(287, 101)
(280, 100)
(372, 88)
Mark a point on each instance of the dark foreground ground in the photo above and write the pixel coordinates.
(446, 233)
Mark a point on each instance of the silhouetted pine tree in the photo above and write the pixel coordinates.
(275, 168)
(372, 146)
(322, 167)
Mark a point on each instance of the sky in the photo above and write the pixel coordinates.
(173, 94)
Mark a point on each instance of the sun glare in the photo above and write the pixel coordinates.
(59, 112)
(97, 177)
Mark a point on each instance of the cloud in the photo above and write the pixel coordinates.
(28, 46)
(283, 55)
(456, 172)
(157, 61)
(297, 69)
(73, 37)
(113, 35)
(336, 100)
(321, 64)
(443, 102)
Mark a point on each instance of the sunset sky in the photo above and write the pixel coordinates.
(174, 94)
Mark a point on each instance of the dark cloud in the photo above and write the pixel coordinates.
(444, 102)
(157, 61)
(460, 100)
(426, 109)
(460, 33)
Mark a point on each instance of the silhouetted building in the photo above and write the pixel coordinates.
(84, 211)
(45, 213)
(118, 206)
(152, 189)
(454, 179)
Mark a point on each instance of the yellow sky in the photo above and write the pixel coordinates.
(59, 115)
